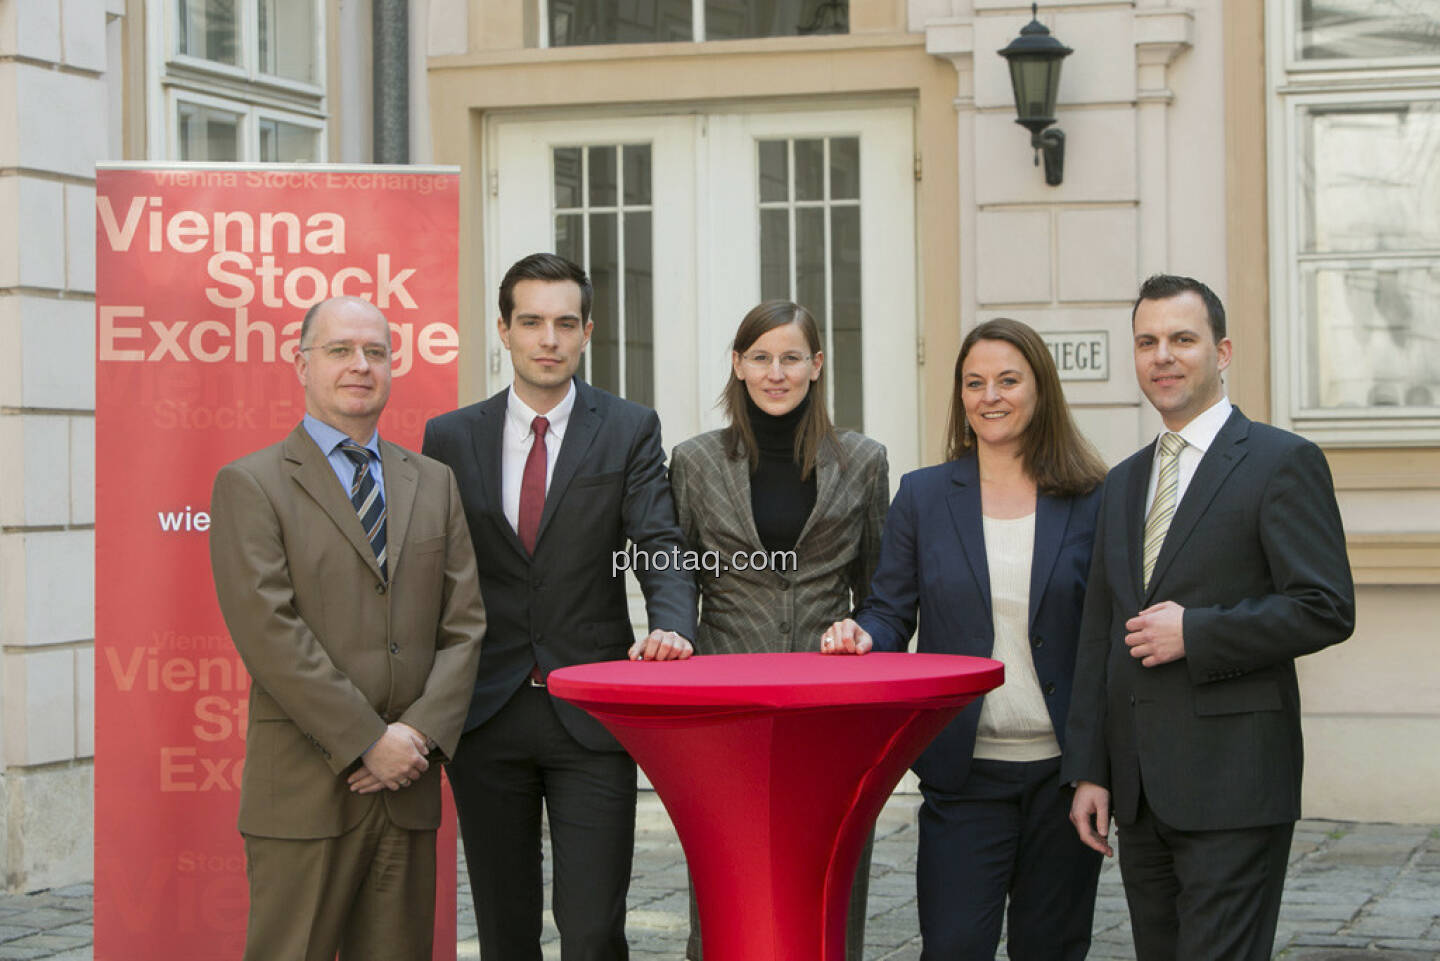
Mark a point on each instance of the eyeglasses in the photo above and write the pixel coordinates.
(761, 361)
(340, 351)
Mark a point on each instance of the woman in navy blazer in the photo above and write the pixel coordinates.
(990, 552)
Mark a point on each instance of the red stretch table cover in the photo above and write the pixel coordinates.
(773, 768)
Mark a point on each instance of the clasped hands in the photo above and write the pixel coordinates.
(393, 762)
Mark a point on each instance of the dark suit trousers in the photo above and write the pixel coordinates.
(1005, 836)
(369, 893)
(1202, 895)
(501, 773)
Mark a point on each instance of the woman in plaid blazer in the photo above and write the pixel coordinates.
(791, 508)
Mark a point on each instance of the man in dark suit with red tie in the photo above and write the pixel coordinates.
(555, 476)
(1219, 559)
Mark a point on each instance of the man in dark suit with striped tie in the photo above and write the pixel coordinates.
(1219, 559)
(346, 576)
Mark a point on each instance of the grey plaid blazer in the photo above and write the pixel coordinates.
(744, 610)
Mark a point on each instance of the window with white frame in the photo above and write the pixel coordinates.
(577, 22)
(241, 80)
(1355, 225)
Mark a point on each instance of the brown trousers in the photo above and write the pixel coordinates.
(368, 894)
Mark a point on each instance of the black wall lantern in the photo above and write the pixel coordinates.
(1035, 58)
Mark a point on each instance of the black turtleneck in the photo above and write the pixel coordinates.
(779, 499)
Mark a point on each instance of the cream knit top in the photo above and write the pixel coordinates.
(1014, 723)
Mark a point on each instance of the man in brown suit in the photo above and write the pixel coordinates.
(347, 579)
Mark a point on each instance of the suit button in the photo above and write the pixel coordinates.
(380, 588)
(539, 638)
(394, 648)
(1132, 700)
(1050, 688)
(784, 628)
(1038, 641)
(537, 582)
(784, 584)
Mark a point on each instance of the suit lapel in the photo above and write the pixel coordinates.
(1052, 517)
(1224, 454)
(585, 421)
(827, 475)
(312, 471)
(1135, 486)
(736, 480)
(489, 443)
(401, 481)
(964, 503)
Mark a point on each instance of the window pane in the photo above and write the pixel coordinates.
(809, 170)
(574, 22)
(810, 286)
(282, 142)
(605, 307)
(1372, 177)
(734, 19)
(602, 176)
(1376, 336)
(844, 168)
(570, 237)
(774, 181)
(207, 134)
(287, 39)
(774, 255)
(639, 310)
(209, 29)
(567, 177)
(1369, 29)
(637, 174)
(846, 373)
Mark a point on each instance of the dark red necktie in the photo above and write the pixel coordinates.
(532, 487)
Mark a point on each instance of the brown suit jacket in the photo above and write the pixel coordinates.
(334, 651)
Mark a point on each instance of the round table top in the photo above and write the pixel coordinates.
(777, 681)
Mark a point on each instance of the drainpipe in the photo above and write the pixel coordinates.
(391, 68)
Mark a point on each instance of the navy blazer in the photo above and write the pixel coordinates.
(933, 565)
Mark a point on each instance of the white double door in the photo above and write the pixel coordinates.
(686, 221)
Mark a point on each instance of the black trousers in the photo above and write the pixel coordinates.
(1006, 837)
(502, 772)
(1202, 895)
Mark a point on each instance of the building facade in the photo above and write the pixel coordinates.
(861, 157)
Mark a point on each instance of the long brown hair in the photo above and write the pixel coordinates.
(1055, 454)
(815, 429)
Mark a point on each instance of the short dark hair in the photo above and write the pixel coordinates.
(1056, 455)
(1165, 286)
(549, 267)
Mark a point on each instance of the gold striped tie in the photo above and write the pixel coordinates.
(1163, 508)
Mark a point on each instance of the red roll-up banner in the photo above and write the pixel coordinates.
(203, 275)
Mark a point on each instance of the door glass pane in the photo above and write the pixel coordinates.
(207, 134)
(639, 310)
(845, 368)
(775, 254)
(824, 249)
(1376, 341)
(209, 29)
(282, 142)
(1369, 29)
(612, 241)
(286, 31)
(575, 22)
(735, 19)
(1371, 176)
(604, 268)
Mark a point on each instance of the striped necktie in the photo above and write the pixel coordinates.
(368, 499)
(1167, 488)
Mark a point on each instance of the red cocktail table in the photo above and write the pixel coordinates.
(773, 768)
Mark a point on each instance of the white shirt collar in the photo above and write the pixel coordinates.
(1200, 433)
(519, 415)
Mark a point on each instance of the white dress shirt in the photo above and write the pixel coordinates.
(517, 438)
(1198, 435)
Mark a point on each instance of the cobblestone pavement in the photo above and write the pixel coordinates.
(1355, 892)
